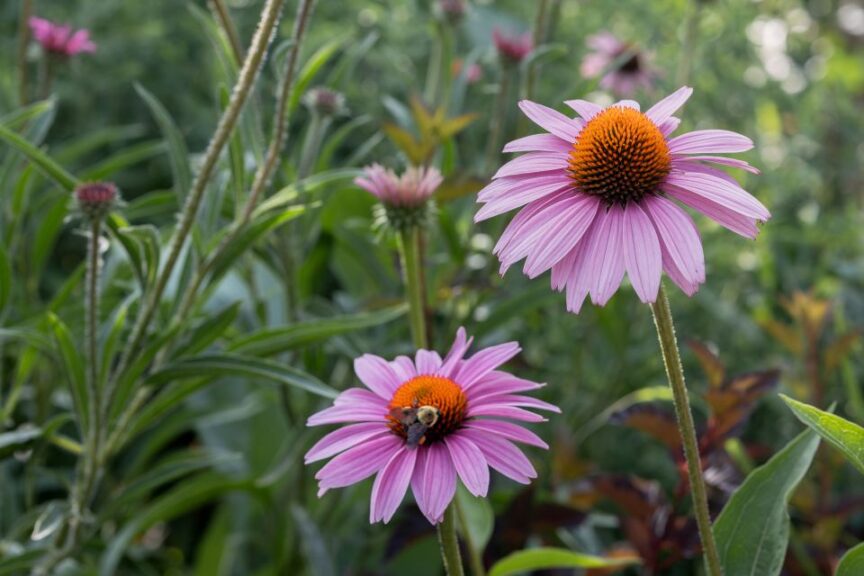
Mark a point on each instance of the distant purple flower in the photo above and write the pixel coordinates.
(412, 189)
(472, 75)
(452, 10)
(423, 422)
(512, 49)
(599, 195)
(60, 39)
(626, 76)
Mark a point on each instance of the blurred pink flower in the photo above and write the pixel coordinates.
(599, 197)
(412, 189)
(60, 39)
(472, 75)
(627, 76)
(424, 422)
(452, 10)
(512, 49)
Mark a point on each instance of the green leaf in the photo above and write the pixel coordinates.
(310, 70)
(852, 563)
(20, 563)
(121, 160)
(22, 116)
(182, 498)
(272, 341)
(208, 331)
(178, 153)
(48, 166)
(752, 531)
(5, 280)
(475, 515)
(542, 558)
(18, 439)
(73, 367)
(843, 434)
(221, 365)
(290, 194)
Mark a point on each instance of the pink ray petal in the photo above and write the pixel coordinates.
(503, 456)
(683, 258)
(428, 362)
(391, 483)
(587, 110)
(509, 431)
(551, 120)
(483, 362)
(358, 463)
(434, 481)
(470, 463)
(664, 109)
(533, 163)
(377, 375)
(343, 439)
(709, 142)
(642, 256)
(539, 143)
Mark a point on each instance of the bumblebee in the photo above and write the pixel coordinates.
(417, 420)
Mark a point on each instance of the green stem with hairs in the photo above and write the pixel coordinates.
(449, 543)
(412, 262)
(675, 373)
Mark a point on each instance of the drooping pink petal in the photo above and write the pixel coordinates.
(404, 368)
(503, 187)
(503, 411)
(683, 258)
(503, 456)
(391, 483)
(517, 401)
(527, 193)
(508, 430)
(343, 439)
(587, 110)
(661, 111)
(359, 397)
(457, 352)
(539, 143)
(377, 375)
(551, 120)
(498, 382)
(720, 213)
(469, 462)
(685, 162)
(642, 256)
(604, 262)
(434, 481)
(532, 163)
(720, 191)
(483, 362)
(341, 414)
(358, 463)
(709, 142)
(562, 234)
(428, 362)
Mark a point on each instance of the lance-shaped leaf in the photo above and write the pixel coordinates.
(542, 558)
(852, 563)
(752, 531)
(846, 436)
(711, 364)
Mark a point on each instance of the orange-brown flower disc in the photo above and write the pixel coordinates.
(437, 391)
(620, 156)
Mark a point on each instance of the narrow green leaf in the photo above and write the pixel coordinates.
(23, 116)
(841, 433)
(178, 153)
(222, 365)
(271, 341)
(5, 280)
(18, 439)
(311, 69)
(852, 563)
(118, 162)
(290, 194)
(208, 331)
(543, 558)
(752, 531)
(182, 498)
(21, 563)
(73, 367)
(48, 166)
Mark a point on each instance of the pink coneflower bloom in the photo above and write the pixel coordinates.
(412, 189)
(599, 197)
(60, 39)
(627, 75)
(96, 199)
(425, 421)
(512, 49)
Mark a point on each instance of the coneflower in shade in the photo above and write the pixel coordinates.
(60, 38)
(423, 422)
(512, 49)
(405, 198)
(599, 197)
(624, 68)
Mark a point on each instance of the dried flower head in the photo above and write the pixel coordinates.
(60, 38)
(599, 195)
(424, 422)
(325, 101)
(512, 49)
(405, 198)
(96, 199)
(624, 68)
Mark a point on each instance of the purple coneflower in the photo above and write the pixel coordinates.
(598, 194)
(423, 422)
(512, 49)
(60, 39)
(630, 71)
(96, 199)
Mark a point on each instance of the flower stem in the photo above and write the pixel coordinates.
(220, 11)
(23, 41)
(449, 543)
(412, 260)
(475, 557)
(92, 326)
(498, 119)
(675, 373)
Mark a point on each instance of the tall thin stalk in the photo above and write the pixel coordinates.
(675, 373)
(499, 118)
(223, 16)
(249, 72)
(23, 43)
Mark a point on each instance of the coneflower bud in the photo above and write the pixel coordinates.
(325, 102)
(96, 199)
(452, 10)
(406, 199)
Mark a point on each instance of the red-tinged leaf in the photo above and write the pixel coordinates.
(632, 496)
(406, 142)
(656, 421)
(711, 364)
(840, 349)
(732, 404)
(455, 125)
(784, 334)
(809, 312)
